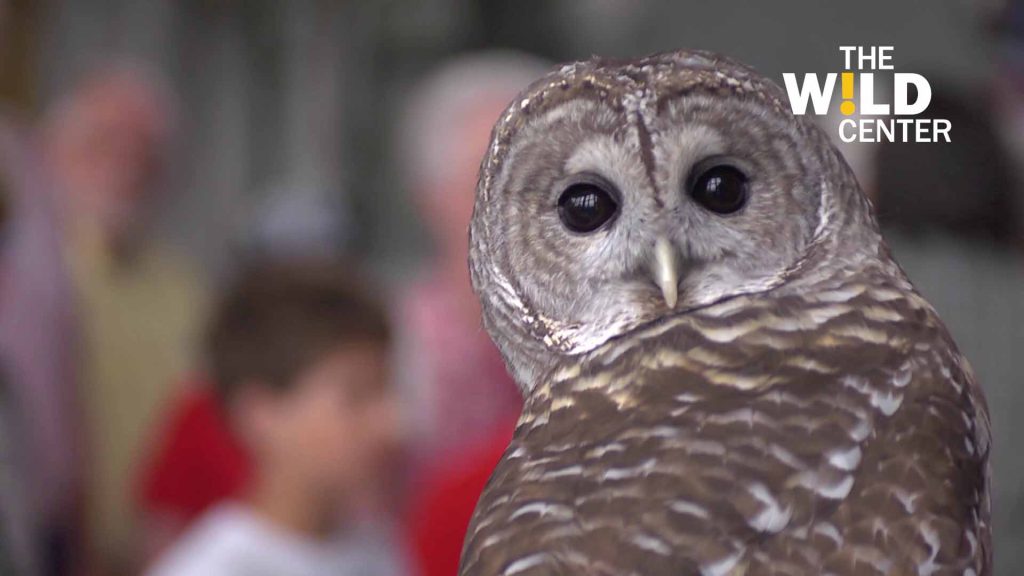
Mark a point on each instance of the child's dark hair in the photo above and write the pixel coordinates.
(277, 320)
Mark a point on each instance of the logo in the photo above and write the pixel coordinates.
(894, 119)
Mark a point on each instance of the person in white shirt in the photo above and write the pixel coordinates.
(299, 356)
(233, 540)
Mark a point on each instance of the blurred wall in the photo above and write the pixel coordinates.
(18, 55)
(303, 93)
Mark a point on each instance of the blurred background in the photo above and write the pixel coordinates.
(152, 150)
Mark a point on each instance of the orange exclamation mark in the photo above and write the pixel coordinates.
(847, 107)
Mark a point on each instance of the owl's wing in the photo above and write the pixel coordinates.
(920, 501)
(899, 486)
(855, 447)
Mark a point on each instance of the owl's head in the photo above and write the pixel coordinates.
(617, 193)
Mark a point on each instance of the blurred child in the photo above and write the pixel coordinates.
(195, 461)
(299, 357)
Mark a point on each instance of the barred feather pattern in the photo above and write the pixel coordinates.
(840, 433)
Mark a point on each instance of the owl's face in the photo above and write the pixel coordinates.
(612, 209)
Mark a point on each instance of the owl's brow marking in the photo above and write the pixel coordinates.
(647, 155)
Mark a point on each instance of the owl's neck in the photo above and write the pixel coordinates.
(803, 302)
(738, 348)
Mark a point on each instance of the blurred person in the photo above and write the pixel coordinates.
(299, 356)
(38, 354)
(950, 212)
(464, 402)
(21, 527)
(18, 529)
(456, 374)
(107, 143)
(196, 461)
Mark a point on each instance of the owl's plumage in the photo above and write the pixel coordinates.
(749, 391)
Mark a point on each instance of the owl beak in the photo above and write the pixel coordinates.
(665, 274)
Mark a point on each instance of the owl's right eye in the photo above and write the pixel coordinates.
(585, 207)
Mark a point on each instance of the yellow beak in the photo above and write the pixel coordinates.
(665, 274)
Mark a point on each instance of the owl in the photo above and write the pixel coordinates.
(724, 370)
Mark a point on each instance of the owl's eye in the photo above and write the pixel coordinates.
(585, 207)
(721, 189)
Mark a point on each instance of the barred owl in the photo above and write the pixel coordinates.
(725, 372)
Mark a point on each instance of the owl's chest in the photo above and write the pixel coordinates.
(710, 423)
(670, 465)
(743, 460)
(673, 489)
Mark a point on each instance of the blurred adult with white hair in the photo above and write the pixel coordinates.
(461, 391)
(464, 404)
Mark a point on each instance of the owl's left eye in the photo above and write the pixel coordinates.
(585, 207)
(720, 188)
